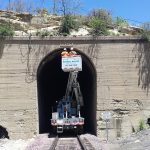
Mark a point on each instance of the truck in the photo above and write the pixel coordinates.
(68, 116)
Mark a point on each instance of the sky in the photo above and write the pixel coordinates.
(135, 11)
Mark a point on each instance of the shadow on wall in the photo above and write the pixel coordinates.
(1, 47)
(3, 132)
(142, 55)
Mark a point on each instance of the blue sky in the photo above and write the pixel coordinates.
(136, 10)
(131, 9)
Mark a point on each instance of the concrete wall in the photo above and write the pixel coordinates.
(120, 79)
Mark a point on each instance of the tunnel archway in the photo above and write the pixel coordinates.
(51, 86)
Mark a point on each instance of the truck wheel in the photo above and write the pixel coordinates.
(80, 130)
(54, 130)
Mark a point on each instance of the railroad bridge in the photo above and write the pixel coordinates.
(115, 79)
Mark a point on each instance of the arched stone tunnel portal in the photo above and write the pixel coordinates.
(51, 86)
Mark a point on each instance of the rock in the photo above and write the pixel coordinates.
(20, 33)
(114, 32)
(137, 141)
(25, 17)
(50, 28)
(38, 20)
(32, 32)
(51, 31)
(46, 20)
(128, 30)
(80, 32)
(16, 24)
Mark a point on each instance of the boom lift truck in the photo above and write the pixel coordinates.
(68, 115)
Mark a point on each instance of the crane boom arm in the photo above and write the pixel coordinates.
(73, 86)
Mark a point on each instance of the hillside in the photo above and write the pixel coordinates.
(25, 24)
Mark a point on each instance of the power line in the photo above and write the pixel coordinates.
(133, 20)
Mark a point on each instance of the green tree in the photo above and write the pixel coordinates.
(98, 26)
(6, 30)
(67, 24)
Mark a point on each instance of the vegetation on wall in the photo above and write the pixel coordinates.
(146, 31)
(142, 125)
(6, 30)
(142, 58)
(99, 21)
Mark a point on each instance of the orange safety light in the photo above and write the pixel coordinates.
(64, 54)
(72, 53)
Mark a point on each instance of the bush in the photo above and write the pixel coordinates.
(42, 11)
(141, 125)
(44, 33)
(146, 31)
(98, 26)
(146, 35)
(146, 26)
(103, 15)
(6, 30)
(67, 24)
(80, 20)
(121, 22)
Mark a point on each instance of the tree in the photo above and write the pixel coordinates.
(10, 6)
(121, 22)
(146, 30)
(98, 27)
(21, 6)
(30, 6)
(66, 7)
(68, 23)
(103, 14)
(146, 26)
(54, 6)
(16, 5)
(6, 30)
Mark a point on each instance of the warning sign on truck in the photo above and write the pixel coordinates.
(72, 63)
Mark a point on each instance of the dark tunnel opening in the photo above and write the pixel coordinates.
(51, 87)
